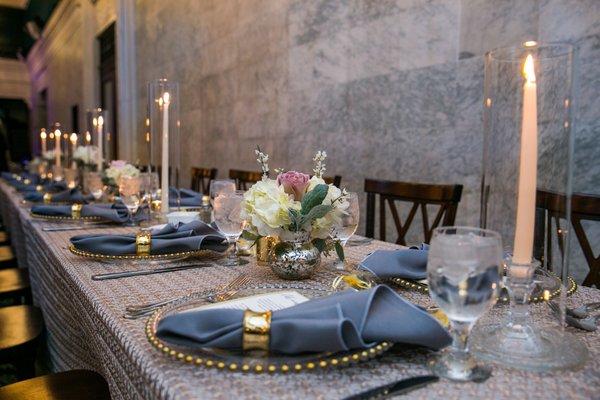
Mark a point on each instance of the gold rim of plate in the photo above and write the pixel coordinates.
(63, 218)
(423, 288)
(319, 362)
(183, 254)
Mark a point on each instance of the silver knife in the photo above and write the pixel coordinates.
(402, 386)
(127, 274)
(75, 228)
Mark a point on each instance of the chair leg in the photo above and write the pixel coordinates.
(25, 367)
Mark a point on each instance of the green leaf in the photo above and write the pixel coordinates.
(319, 244)
(251, 237)
(314, 198)
(340, 250)
(296, 220)
(317, 212)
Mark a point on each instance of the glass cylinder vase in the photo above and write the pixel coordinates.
(528, 104)
(163, 104)
(98, 138)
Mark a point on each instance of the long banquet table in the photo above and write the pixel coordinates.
(85, 329)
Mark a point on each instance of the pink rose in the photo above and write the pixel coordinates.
(294, 183)
(118, 164)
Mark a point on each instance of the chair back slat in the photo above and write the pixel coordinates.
(420, 195)
(244, 179)
(584, 207)
(201, 178)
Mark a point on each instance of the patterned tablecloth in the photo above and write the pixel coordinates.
(86, 330)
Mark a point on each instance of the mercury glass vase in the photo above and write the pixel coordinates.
(295, 259)
(528, 103)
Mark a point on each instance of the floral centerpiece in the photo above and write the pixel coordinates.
(298, 209)
(86, 157)
(116, 170)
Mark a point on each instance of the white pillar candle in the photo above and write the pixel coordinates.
(57, 136)
(164, 192)
(43, 138)
(100, 125)
(73, 139)
(523, 245)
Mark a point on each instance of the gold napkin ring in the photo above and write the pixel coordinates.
(47, 198)
(39, 188)
(257, 330)
(76, 211)
(27, 181)
(143, 240)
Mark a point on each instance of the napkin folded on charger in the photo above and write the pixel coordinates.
(340, 322)
(169, 239)
(116, 212)
(67, 196)
(48, 187)
(407, 263)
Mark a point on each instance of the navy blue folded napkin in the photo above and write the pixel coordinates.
(184, 198)
(50, 187)
(343, 321)
(407, 263)
(169, 239)
(116, 212)
(67, 196)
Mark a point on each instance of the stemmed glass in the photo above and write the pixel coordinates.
(463, 272)
(94, 184)
(149, 184)
(227, 208)
(129, 189)
(348, 222)
(218, 186)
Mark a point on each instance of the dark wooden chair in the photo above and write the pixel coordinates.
(584, 207)
(4, 238)
(336, 180)
(244, 179)
(7, 257)
(20, 329)
(420, 195)
(201, 178)
(14, 285)
(69, 385)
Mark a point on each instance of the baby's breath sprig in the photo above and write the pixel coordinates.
(319, 160)
(263, 160)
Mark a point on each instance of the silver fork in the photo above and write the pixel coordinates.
(223, 293)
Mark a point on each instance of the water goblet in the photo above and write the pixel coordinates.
(218, 186)
(348, 223)
(129, 190)
(149, 185)
(227, 208)
(94, 184)
(463, 271)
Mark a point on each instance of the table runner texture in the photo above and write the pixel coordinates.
(86, 330)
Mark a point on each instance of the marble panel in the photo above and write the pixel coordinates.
(488, 24)
(568, 20)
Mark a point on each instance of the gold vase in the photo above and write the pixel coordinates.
(263, 248)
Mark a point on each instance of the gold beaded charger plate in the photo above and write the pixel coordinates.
(64, 218)
(547, 286)
(254, 361)
(167, 256)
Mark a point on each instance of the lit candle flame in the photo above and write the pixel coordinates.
(51, 135)
(166, 98)
(73, 138)
(88, 136)
(94, 121)
(528, 70)
(100, 120)
(43, 134)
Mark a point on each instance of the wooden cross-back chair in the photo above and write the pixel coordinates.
(201, 178)
(336, 180)
(584, 207)
(244, 179)
(420, 195)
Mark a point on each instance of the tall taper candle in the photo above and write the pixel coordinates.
(43, 136)
(164, 191)
(523, 245)
(100, 160)
(57, 136)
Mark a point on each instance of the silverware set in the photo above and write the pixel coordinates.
(225, 292)
(580, 317)
(150, 271)
(75, 228)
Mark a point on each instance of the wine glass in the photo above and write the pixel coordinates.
(218, 186)
(149, 184)
(129, 189)
(95, 185)
(463, 271)
(348, 222)
(227, 208)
